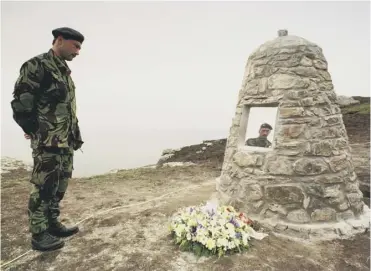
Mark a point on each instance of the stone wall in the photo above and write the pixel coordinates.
(308, 177)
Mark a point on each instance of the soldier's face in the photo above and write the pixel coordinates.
(264, 132)
(69, 49)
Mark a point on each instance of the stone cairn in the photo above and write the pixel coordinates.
(305, 185)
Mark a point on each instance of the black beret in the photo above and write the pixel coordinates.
(68, 34)
(266, 125)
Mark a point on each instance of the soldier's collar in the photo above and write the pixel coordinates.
(61, 63)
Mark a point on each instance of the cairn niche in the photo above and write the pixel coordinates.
(304, 185)
(257, 128)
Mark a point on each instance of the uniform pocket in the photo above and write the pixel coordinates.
(55, 88)
(59, 91)
(46, 172)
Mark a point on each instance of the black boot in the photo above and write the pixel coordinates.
(45, 242)
(59, 230)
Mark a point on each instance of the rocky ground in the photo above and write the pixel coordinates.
(134, 235)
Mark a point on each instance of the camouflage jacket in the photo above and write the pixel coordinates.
(44, 103)
(259, 142)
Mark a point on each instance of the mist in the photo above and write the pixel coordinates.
(159, 75)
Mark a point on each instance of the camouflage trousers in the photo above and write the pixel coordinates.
(52, 170)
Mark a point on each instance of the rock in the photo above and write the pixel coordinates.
(338, 163)
(325, 75)
(319, 64)
(169, 151)
(298, 216)
(280, 227)
(323, 111)
(244, 159)
(297, 231)
(258, 204)
(310, 166)
(307, 121)
(253, 192)
(343, 206)
(165, 157)
(306, 62)
(292, 148)
(293, 61)
(323, 148)
(344, 215)
(291, 112)
(314, 189)
(256, 86)
(285, 104)
(326, 133)
(285, 81)
(328, 179)
(285, 194)
(354, 198)
(297, 94)
(265, 70)
(352, 187)
(306, 71)
(343, 101)
(307, 176)
(178, 164)
(332, 191)
(277, 209)
(9, 164)
(282, 166)
(291, 131)
(317, 203)
(326, 86)
(325, 214)
(334, 194)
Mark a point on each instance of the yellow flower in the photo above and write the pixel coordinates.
(230, 226)
(179, 230)
(210, 244)
(192, 222)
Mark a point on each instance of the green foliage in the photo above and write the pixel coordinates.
(359, 108)
(200, 250)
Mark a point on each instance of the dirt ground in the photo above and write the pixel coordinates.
(136, 237)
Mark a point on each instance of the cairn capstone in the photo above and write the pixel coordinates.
(305, 185)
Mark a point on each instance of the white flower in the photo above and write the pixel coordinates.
(231, 245)
(210, 226)
(222, 242)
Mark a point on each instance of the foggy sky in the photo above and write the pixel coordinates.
(152, 76)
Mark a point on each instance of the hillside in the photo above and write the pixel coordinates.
(356, 119)
(123, 217)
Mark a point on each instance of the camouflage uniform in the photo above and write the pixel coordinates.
(259, 142)
(44, 106)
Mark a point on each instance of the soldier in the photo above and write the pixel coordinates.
(44, 106)
(262, 140)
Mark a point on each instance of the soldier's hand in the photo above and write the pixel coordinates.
(26, 136)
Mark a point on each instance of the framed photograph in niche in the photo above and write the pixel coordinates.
(258, 127)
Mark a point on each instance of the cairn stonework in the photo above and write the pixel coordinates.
(305, 185)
